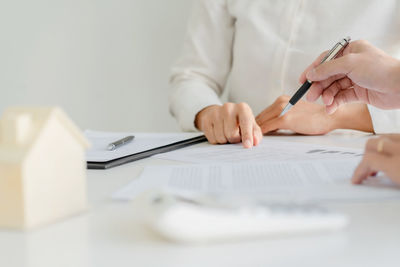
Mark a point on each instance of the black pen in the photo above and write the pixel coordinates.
(304, 88)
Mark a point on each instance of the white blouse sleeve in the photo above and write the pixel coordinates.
(385, 121)
(199, 76)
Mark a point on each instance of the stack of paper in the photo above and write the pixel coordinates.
(284, 180)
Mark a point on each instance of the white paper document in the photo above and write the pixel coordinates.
(299, 180)
(267, 150)
(99, 141)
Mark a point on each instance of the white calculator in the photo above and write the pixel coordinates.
(197, 220)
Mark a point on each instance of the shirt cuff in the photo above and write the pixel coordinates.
(187, 99)
(385, 121)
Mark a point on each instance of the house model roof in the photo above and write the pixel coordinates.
(20, 127)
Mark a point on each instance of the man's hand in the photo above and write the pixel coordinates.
(381, 154)
(310, 118)
(230, 123)
(362, 73)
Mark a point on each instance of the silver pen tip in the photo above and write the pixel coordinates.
(111, 147)
(286, 109)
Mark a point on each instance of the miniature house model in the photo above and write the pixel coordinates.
(42, 167)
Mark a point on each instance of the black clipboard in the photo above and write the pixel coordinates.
(145, 154)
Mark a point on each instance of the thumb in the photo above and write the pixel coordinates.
(342, 65)
(271, 125)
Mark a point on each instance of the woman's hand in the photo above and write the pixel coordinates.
(362, 73)
(381, 154)
(230, 123)
(310, 118)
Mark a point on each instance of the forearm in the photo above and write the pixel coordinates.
(199, 77)
(353, 116)
(396, 77)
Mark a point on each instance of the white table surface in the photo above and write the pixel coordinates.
(109, 234)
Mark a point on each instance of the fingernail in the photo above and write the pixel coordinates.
(255, 141)
(329, 110)
(247, 143)
(328, 101)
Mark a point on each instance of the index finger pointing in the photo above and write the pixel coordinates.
(371, 162)
(246, 119)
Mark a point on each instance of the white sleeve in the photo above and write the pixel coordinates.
(385, 121)
(199, 76)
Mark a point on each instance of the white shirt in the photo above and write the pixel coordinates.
(257, 50)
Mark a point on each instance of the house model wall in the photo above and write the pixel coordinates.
(42, 167)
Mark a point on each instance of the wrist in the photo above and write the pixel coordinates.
(200, 117)
(353, 116)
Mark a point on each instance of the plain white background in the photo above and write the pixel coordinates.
(105, 62)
